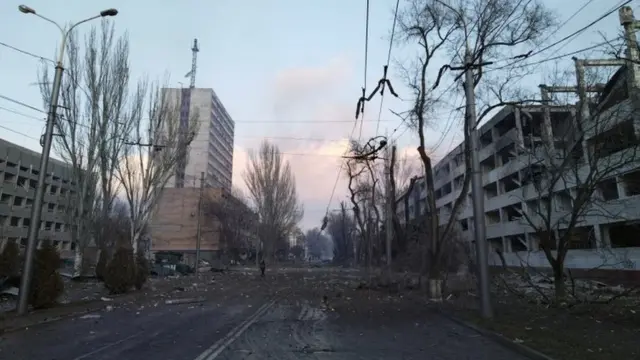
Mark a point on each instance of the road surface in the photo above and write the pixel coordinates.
(256, 325)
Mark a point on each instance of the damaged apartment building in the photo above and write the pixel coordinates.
(522, 145)
(18, 181)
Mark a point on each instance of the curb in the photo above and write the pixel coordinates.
(100, 305)
(502, 340)
(49, 320)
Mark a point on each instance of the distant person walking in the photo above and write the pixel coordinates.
(263, 267)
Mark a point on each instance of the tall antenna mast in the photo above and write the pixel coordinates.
(194, 61)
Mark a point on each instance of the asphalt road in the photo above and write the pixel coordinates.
(291, 325)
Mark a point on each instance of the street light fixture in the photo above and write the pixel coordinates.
(109, 12)
(36, 210)
(25, 9)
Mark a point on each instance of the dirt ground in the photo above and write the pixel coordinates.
(83, 296)
(582, 332)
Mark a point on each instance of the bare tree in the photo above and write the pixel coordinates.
(486, 30)
(353, 172)
(368, 191)
(89, 130)
(404, 169)
(156, 144)
(272, 189)
(118, 223)
(342, 229)
(236, 219)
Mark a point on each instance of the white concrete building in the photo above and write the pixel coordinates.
(19, 168)
(514, 156)
(212, 148)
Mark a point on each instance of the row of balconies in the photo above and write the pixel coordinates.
(613, 116)
(31, 173)
(10, 181)
(43, 233)
(226, 138)
(222, 122)
(627, 209)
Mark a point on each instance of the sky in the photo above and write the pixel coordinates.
(287, 71)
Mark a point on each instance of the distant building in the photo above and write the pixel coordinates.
(211, 151)
(174, 225)
(19, 169)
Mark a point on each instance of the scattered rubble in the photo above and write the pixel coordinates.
(184, 300)
(538, 287)
(90, 316)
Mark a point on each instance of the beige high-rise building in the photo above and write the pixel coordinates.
(211, 151)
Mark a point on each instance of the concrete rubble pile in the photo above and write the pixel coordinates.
(534, 286)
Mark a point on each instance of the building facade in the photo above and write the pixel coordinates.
(174, 225)
(520, 148)
(211, 151)
(19, 169)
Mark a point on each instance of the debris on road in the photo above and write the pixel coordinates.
(90, 316)
(184, 301)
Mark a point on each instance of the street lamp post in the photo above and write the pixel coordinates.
(36, 211)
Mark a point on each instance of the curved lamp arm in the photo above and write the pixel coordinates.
(65, 34)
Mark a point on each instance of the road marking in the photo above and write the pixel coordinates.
(219, 346)
(101, 349)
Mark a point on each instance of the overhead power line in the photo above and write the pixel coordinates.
(17, 102)
(568, 37)
(361, 103)
(516, 65)
(393, 32)
(19, 133)
(551, 33)
(582, 29)
(366, 66)
(24, 52)
(21, 114)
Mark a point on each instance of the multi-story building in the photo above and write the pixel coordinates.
(174, 225)
(211, 151)
(520, 148)
(19, 169)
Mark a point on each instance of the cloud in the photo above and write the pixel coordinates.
(312, 95)
(306, 81)
(296, 89)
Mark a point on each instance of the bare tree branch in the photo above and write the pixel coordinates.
(90, 127)
(155, 146)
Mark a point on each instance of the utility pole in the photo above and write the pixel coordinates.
(36, 210)
(389, 210)
(199, 231)
(631, 25)
(477, 191)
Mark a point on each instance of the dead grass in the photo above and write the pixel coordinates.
(583, 332)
